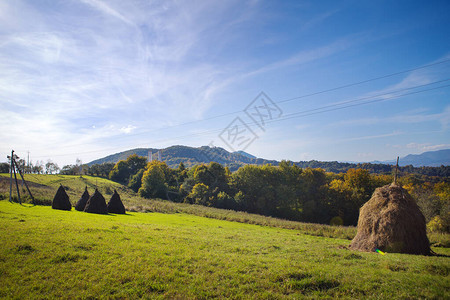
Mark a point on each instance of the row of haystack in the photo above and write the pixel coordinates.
(91, 204)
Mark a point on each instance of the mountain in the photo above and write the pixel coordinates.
(429, 159)
(191, 156)
(245, 154)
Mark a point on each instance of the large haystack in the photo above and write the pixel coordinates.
(391, 221)
(81, 204)
(96, 204)
(61, 200)
(115, 205)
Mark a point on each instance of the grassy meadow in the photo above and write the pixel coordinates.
(44, 188)
(171, 250)
(46, 253)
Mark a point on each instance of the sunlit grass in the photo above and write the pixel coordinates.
(46, 253)
(46, 185)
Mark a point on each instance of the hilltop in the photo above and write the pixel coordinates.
(191, 156)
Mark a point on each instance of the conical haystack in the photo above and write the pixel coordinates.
(115, 205)
(61, 200)
(81, 204)
(391, 221)
(96, 204)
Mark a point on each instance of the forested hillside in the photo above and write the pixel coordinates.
(191, 156)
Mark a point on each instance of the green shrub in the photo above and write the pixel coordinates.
(436, 225)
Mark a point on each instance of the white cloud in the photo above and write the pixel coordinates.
(67, 83)
(127, 129)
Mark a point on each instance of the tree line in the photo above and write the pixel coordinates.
(284, 191)
(39, 167)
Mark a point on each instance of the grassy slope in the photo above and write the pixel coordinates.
(48, 253)
(44, 188)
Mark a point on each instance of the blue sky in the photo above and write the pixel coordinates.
(87, 78)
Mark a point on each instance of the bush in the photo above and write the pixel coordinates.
(436, 225)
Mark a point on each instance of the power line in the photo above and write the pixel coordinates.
(365, 81)
(280, 101)
(327, 108)
(297, 98)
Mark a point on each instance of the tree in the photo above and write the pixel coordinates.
(69, 170)
(125, 169)
(79, 170)
(51, 167)
(153, 181)
(4, 167)
(136, 181)
(200, 194)
(38, 168)
(120, 172)
(103, 169)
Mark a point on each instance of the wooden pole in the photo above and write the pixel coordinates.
(396, 171)
(17, 184)
(10, 176)
(23, 181)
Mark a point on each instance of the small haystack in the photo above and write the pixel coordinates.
(115, 205)
(61, 200)
(391, 221)
(81, 204)
(96, 204)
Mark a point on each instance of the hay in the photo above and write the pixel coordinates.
(81, 204)
(115, 205)
(391, 221)
(96, 204)
(61, 200)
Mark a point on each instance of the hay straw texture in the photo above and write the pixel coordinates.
(392, 222)
(115, 205)
(96, 204)
(61, 200)
(81, 204)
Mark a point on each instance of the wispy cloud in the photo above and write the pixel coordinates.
(427, 147)
(318, 19)
(408, 117)
(135, 68)
(370, 137)
(107, 10)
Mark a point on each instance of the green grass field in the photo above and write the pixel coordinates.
(46, 253)
(44, 188)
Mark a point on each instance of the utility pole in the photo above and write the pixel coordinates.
(28, 163)
(13, 167)
(15, 178)
(10, 175)
(396, 171)
(23, 181)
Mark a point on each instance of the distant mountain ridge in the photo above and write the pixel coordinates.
(191, 156)
(427, 159)
(430, 159)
